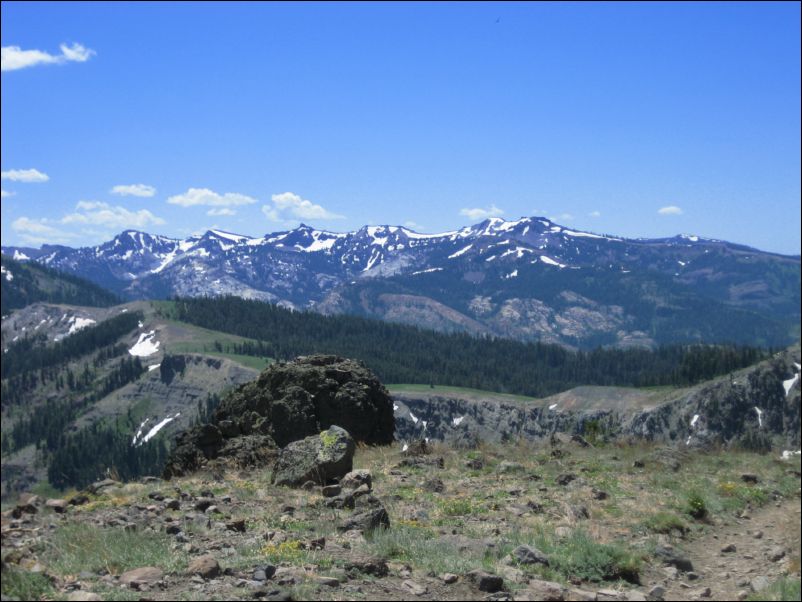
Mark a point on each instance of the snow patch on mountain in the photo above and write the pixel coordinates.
(77, 324)
(460, 252)
(146, 345)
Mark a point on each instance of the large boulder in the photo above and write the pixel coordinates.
(320, 458)
(287, 402)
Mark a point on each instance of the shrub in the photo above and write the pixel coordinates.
(696, 505)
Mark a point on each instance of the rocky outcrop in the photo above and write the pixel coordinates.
(286, 403)
(750, 408)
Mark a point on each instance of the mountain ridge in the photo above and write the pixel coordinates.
(497, 277)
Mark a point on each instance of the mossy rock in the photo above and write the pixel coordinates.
(321, 458)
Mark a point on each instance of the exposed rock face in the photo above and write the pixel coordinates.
(749, 408)
(291, 401)
(319, 458)
(287, 402)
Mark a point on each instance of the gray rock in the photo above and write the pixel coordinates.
(539, 589)
(414, 588)
(528, 555)
(289, 401)
(434, 485)
(206, 566)
(760, 583)
(135, 578)
(657, 592)
(673, 558)
(57, 505)
(366, 521)
(776, 554)
(730, 547)
(320, 458)
(485, 582)
(564, 479)
(357, 478)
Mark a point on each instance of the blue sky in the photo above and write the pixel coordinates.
(172, 118)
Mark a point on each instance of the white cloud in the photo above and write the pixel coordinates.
(414, 225)
(134, 190)
(221, 211)
(26, 224)
(37, 231)
(210, 198)
(14, 57)
(24, 175)
(6, 193)
(595, 214)
(670, 210)
(289, 204)
(563, 217)
(479, 214)
(97, 213)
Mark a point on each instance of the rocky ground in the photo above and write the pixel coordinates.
(555, 521)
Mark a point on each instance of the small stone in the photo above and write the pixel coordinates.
(539, 589)
(136, 578)
(528, 555)
(742, 595)
(564, 479)
(691, 576)
(449, 578)
(237, 526)
(729, 548)
(206, 566)
(758, 535)
(57, 505)
(752, 479)
(263, 573)
(636, 596)
(331, 490)
(776, 554)
(486, 582)
(670, 556)
(414, 588)
(356, 478)
(434, 485)
(758, 584)
(327, 581)
(172, 504)
(671, 572)
(598, 494)
(657, 592)
(703, 592)
(203, 504)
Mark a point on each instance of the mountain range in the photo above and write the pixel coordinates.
(528, 279)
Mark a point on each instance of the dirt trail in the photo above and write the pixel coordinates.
(759, 539)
